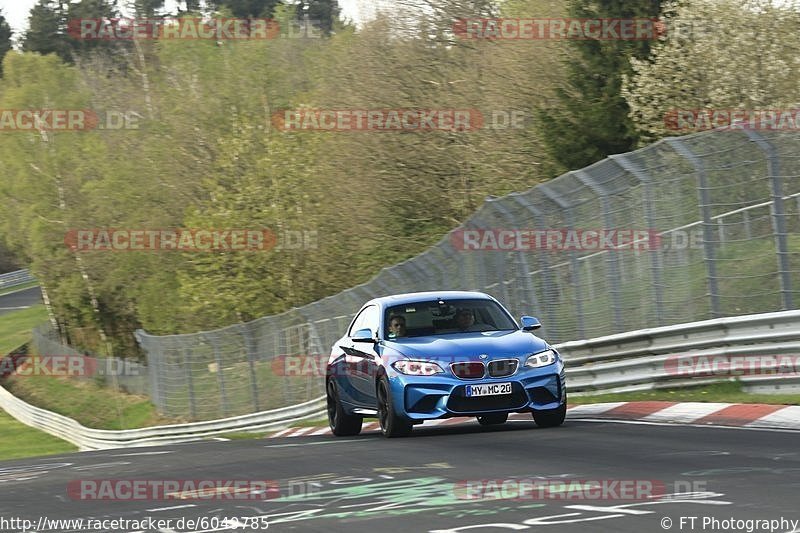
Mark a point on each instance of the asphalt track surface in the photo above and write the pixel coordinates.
(20, 300)
(369, 483)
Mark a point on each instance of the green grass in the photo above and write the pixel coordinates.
(87, 402)
(245, 436)
(19, 287)
(18, 441)
(274, 390)
(727, 392)
(15, 328)
(320, 422)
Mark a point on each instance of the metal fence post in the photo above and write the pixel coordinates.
(778, 216)
(481, 277)
(656, 266)
(708, 230)
(251, 362)
(612, 258)
(549, 295)
(187, 371)
(573, 256)
(153, 352)
(220, 374)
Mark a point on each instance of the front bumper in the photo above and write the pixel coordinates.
(429, 398)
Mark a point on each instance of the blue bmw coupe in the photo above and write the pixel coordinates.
(428, 355)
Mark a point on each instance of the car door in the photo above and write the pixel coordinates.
(363, 358)
(345, 367)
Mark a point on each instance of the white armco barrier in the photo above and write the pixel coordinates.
(760, 350)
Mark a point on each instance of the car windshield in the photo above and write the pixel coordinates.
(443, 317)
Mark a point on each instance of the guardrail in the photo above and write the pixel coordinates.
(12, 279)
(690, 354)
(637, 360)
(98, 439)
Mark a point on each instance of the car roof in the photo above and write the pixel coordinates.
(410, 297)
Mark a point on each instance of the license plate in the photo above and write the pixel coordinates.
(488, 389)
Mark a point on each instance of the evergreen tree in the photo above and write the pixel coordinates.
(91, 10)
(590, 119)
(147, 8)
(322, 13)
(5, 40)
(46, 30)
(247, 8)
(49, 23)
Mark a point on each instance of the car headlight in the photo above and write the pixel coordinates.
(537, 360)
(417, 368)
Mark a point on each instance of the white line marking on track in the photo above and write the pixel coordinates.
(170, 508)
(715, 426)
(101, 465)
(310, 443)
(18, 290)
(140, 453)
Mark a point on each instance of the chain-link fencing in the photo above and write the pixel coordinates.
(687, 229)
(112, 372)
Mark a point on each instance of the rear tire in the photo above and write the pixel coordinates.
(550, 418)
(341, 424)
(392, 425)
(493, 419)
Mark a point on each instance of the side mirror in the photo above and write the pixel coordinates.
(363, 335)
(530, 323)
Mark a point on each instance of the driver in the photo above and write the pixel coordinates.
(397, 326)
(465, 319)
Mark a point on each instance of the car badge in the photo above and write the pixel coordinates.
(483, 356)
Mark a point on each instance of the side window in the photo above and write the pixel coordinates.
(367, 318)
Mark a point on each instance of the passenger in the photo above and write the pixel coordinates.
(397, 326)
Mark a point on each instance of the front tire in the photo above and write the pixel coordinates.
(550, 418)
(392, 425)
(493, 419)
(341, 423)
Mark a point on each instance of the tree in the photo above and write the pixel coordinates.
(322, 13)
(247, 8)
(91, 10)
(752, 69)
(47, 30)
(5, 40)
(49, 23)
(147, 8)
(590, 118)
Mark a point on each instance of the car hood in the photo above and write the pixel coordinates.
(468, 346)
